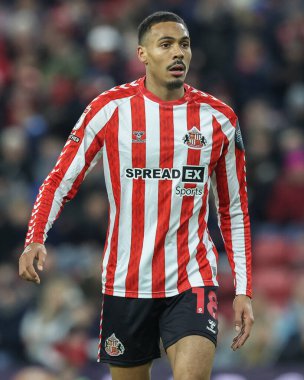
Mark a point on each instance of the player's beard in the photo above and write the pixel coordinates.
(175, 84)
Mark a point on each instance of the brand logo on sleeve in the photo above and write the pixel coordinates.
(74, 138)
(194, 139)
(238, 138)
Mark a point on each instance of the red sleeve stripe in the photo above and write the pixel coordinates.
(112, 222)
(114, 171)
(223, 200)
(92, 156)
(240, 166)
(108, 238)
(232, 214)
(237, 222)
(53, 192)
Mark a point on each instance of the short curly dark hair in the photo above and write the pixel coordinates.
(156, 18)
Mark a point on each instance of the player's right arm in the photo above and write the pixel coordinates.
(79, 155)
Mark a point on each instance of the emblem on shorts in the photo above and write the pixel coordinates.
(113, 346)
(194, 139)
(211, 326)
(138, 137)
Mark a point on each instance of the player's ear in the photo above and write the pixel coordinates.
(142, 54)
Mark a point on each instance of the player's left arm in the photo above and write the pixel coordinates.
(230, 191)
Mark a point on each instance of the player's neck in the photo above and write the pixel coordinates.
(163, 92)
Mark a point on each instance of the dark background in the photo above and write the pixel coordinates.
(55, 57)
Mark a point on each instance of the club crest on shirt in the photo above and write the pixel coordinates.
(113, 346)
(194, 139)
(138, 137)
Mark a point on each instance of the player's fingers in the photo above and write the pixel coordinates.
(236, 340)
(41, 259)
(242, 339)
(26, 269)
(33, 273)
(25, 275)
(238, 320)
(248, 322)
(246, 330)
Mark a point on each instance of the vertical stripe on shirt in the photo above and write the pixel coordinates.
(164, 199)
(211, 255)
(126, 187)
(111, 220)
(151, 196)
(138, 147)
(200, 256)
(179, 159)
(114, 172)
(193, 158)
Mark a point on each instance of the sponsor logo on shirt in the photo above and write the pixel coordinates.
(74, 138)
(194, 139)
(188, 192)
(113, 346)
(193, 174)
(238, 138)
(138, 137)
(188, 174)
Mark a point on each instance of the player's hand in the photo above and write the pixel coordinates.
(243, 316)
(33, 252)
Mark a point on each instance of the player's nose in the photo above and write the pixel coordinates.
(178, 52)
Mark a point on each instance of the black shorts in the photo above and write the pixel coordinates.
(131, 328)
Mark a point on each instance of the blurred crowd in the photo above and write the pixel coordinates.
(55, 57)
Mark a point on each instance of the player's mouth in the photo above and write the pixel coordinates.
(177, 69)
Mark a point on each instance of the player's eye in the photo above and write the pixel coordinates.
(165, 45)
(185, 45)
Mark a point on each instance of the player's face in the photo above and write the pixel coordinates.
(166, 53)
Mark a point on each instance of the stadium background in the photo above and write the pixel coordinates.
(55, 57)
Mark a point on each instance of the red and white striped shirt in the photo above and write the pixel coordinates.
(159, 158)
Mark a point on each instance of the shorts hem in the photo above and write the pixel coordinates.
(129, 363)
(192, 332)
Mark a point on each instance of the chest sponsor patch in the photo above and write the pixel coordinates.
(193, 174)
(187, 174)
